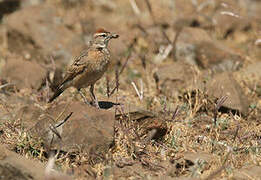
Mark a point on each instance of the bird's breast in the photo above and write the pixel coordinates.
(94, 71)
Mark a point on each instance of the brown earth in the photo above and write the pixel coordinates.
(195, 112)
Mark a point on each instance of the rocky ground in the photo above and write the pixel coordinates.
(181, 99)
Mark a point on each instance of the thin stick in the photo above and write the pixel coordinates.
(127, 59)
(137, 91)
(141, 88)
(122, 68)
(7, 84)
(117, 79)
(150, 10)
(64, 121)
(228, 13)
(174, 43)
(176, 112)
(218, 105)
(107, 86)
(154, 21)
(135, 7)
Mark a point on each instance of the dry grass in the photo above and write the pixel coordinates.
(194, 123)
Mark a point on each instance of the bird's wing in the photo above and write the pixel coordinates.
(78, 66)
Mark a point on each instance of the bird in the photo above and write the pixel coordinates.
(88, 67)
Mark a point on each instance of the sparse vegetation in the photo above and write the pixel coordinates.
(183, 88)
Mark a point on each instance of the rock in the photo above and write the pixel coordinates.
(161, 170)
(252, 72)
(251, 172)
(28, 115)
(194, 35)
(5, 114)
(7, 7)
(196, 47)
(41, 27)
(198, 155)
(15, 167)
(226, 24)
(149, 123)
(24, 74)
(127, 171)
(225, 85)
(88, 128)
(185, 45)
(252, 76)
(31, 3)
(176, 77)
(18, 109)
(213, 56)
(135, 171)
(191, 21)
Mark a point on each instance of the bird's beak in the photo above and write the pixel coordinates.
(113, 35)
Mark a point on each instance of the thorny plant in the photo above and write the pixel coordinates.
(118, 73)
(218, 104)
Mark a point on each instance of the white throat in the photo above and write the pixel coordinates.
(100, 45)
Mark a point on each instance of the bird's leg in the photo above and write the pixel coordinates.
(84, 98)
(93, 96)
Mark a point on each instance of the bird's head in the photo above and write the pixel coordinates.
(101, 38)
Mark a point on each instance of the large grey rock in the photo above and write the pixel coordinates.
(195, 46)
(224, 84)
(248, 172)
(252, 71)
(15, 167)
(228, 22)
(28, 115)
(192, 156)
(41, 27)
(88, 129)
(177, 77)
(23, 73)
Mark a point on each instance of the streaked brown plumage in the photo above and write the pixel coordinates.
(89, 66)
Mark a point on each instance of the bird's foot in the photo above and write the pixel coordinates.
(95, 103)
(84, 99)
(87, 102)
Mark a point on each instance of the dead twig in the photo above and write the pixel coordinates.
(150, 11)
(116, 81)
(53, 128)
(218, 105)
(154, 22)
(176, 112)
(139, 93)
(5, 85)
(107, 86)
(64, 121)
(135, 7)
(174, 43)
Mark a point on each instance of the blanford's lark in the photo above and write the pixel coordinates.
(89, 66)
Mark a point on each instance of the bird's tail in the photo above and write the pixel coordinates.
(59, 91)
(55, 95)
